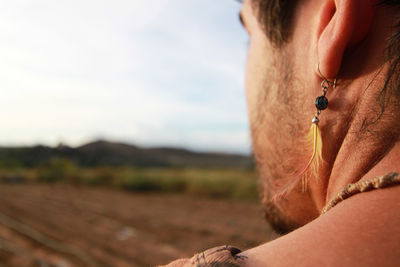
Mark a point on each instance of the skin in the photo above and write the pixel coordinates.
(281, 84)
(348, 39)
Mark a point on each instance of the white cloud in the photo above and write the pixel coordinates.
(153, 72)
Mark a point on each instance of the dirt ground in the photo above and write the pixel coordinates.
(43, 225)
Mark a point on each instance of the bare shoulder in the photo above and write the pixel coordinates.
(364, 230)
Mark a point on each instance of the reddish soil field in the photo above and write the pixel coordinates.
(43, 225)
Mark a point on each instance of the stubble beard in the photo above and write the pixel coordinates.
(270, 153)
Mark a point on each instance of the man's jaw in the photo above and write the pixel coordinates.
(276, 219)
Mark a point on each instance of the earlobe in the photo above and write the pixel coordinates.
(342, 25)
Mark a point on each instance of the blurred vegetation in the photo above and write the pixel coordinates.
(238, 183)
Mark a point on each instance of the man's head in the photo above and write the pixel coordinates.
(288, 39)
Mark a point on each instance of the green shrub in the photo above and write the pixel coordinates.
(219, 183)
(58, 169)
(140, 183)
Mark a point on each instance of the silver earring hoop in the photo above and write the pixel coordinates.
(326, 80)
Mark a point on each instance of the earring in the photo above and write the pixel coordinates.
(313, 138)
(314, 135)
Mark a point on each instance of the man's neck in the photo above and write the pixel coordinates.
(367, 135)
(370, 146)
(390, 163)
(351, 174)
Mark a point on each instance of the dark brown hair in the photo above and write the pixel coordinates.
(393, 56)
(275, 17)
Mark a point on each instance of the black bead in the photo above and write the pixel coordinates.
(321, 102)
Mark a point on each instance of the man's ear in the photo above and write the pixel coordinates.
(342, 25)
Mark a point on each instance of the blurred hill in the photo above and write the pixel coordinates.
(104, 153)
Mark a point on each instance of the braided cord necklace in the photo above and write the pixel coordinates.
(380, 182)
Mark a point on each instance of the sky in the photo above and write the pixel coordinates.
(146, 72)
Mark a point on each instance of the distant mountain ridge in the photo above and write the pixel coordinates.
(105, 153)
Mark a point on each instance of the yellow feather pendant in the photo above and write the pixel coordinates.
(312, 167)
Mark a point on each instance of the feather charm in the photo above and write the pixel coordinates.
(313, 139)
(312, 167)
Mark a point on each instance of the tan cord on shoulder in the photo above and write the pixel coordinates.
(387, 180)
